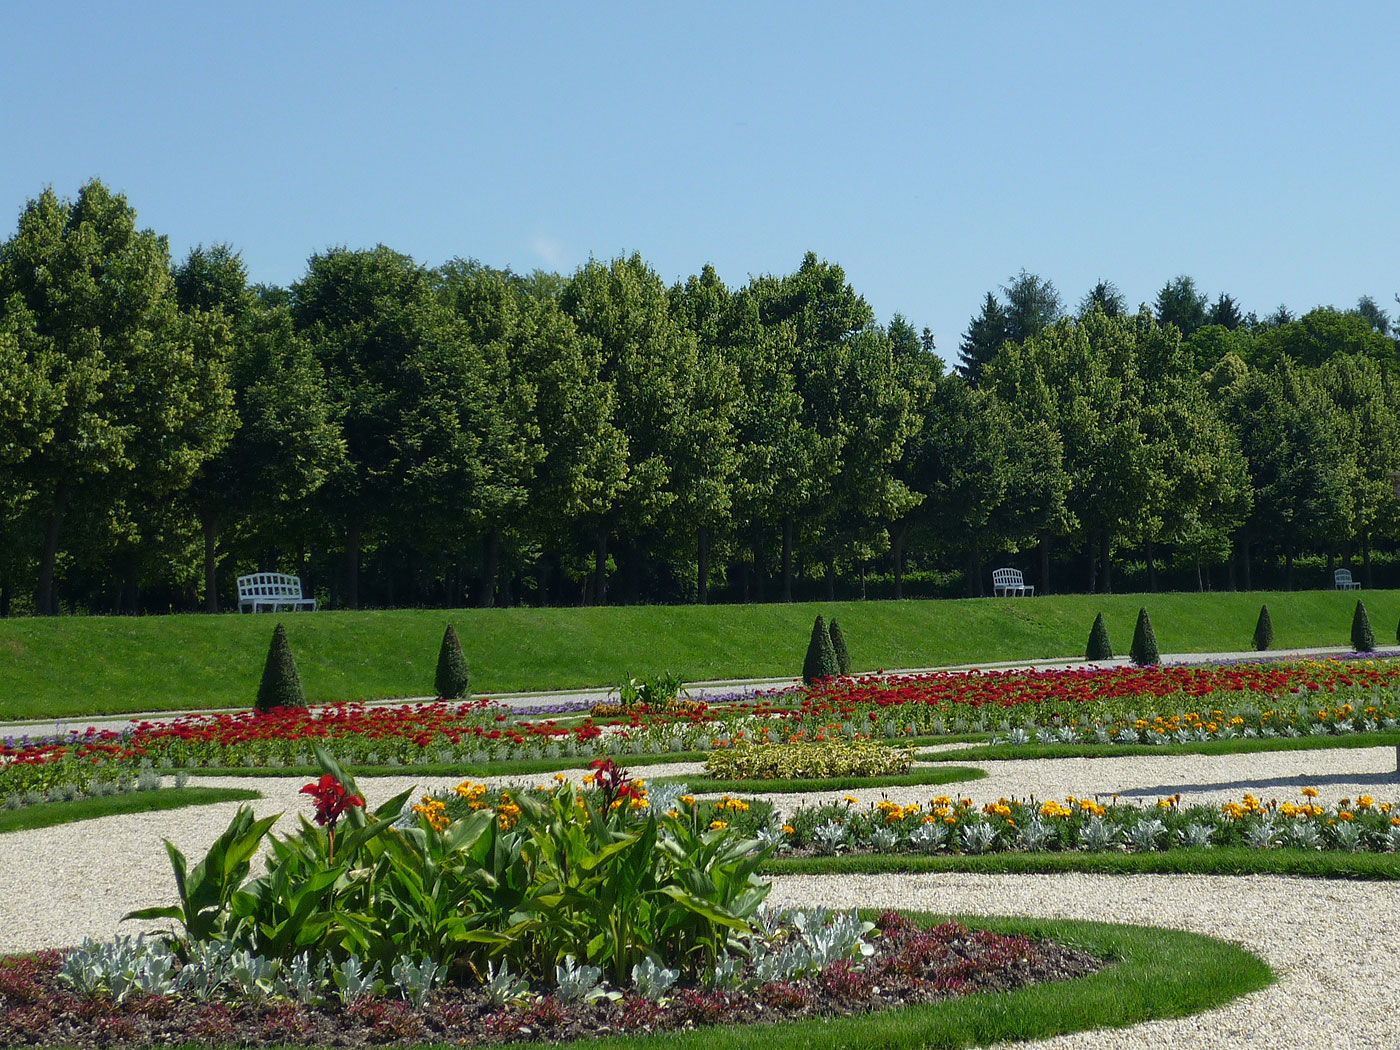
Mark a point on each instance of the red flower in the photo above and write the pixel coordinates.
(332, 800)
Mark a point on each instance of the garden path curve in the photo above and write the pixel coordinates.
(1333, 943)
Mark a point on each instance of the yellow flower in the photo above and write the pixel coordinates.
(851, 800)
(1346, 816)
(715, 825)
(788, 829)
(1365, 802)
(1310, 792)
(559, 778)
(689, 800)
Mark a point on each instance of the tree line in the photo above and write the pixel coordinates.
(399, 434)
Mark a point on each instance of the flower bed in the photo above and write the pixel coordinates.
(1110, 705)
(804, 760)
(848, 968)
(948, 825)
(547, 914)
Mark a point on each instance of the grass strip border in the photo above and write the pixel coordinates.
(1157, 974)
(49, 814)
(504, 768)
(1242, 746)
(1219, 860)
(936, 775)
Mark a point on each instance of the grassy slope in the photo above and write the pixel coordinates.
(75, 666)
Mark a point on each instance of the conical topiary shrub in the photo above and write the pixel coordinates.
(1263, 630)
(1099, 646)
(1144, 650)
(821, 657)
(453, 681)
(838, 643)
(1363, 639)
(280, 685)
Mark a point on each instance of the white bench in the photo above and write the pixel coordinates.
(1009, 583)
(1343, 581)
(271, 591)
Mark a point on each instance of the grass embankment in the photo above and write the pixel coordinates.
(708, 785)
(1242, 746)
(1221, 860)
(71, 667)
(1158, 974)
(47, 814)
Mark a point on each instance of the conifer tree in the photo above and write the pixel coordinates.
(838, 644)
(453, 681)
(1263, 630)
(1144, 650)
(821, 657)
(1099, 646)
(1363, 639)
(280, 685)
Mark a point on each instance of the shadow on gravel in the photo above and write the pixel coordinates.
(1376, 780)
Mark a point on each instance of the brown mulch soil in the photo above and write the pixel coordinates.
(910, 966)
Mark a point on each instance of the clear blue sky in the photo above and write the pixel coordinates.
(931, 149)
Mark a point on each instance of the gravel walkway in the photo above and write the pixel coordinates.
(1333, 943)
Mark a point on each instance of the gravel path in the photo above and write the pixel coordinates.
(1333, 943)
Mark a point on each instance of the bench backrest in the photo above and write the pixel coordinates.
(1342, 576)
(269, 585)
(1008, 576)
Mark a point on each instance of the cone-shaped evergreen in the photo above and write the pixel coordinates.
(821, 657)
(1363, 639)
(838, 643)
(453, 681)
(1144, 650)
(1263, 630)
(1099, 646)
(280, 685)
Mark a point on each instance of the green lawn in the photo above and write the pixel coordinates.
(708, 785)
(47, 814)
(1237, 746)
(77, 666)
(1221, 860)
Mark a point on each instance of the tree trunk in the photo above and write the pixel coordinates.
(1365, 561)
(4, 600)
(1093, 563)
(831, 578)
(862, 579)
(46, 602)
(897, 553)
(702, 568)
(1245, 565)
(542, 578)
(490, 562)
(1288, 570)
(758, 572)
(1105, 546)
(1044, 563)
(1151, 566)
(974, 568)
(211, 562)
(352, 567)
(787, 557)
(1230, 572)
(1200, 584)
(600, 568)
(1331, 563)
(634, 572)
